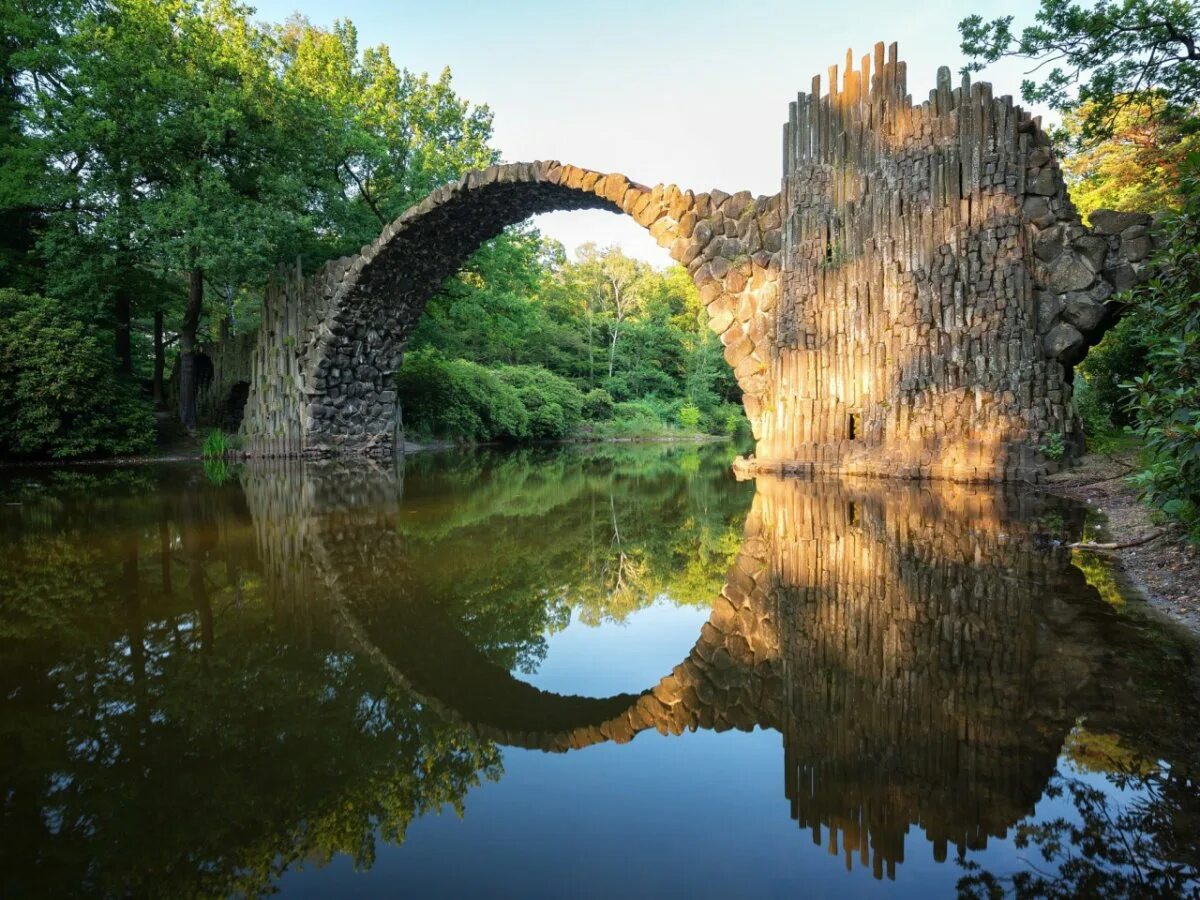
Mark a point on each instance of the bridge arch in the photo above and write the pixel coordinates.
(730, 244)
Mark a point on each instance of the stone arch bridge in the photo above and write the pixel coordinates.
(910, 303)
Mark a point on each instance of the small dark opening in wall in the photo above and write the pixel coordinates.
(204, 371)
(853, 427)
(235, 406)
(852, 514)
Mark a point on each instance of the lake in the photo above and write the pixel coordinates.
(608, 670)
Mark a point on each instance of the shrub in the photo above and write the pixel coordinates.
(554, 405)
(60, 394)
(1166, 400)
(1102, 432)
(454, 398)
(689, 417)
(216, 445)
(598, 405)
(1107, 370)
(733, 420)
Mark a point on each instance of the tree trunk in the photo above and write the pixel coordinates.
(124, 344)
(160, 361)
(612, 349)
(187, 350)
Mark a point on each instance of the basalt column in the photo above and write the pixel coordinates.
(937, 284)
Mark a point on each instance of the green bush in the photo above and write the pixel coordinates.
(689, 417)
(1098, 417)
(1166, 397)
(597, 405)
(1114, 362)
(732, 420)
(454, 398)
(60, 394)
(553, 404)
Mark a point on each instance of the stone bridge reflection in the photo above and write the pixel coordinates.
(924, 650)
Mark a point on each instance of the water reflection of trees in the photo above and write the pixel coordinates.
(178, 717)
(187, 704)
(590, 532)
(1134, 837)
(167, 729)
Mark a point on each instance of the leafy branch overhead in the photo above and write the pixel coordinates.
(1100, 57)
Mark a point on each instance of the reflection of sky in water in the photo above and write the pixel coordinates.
(619, 658)
(700, 815)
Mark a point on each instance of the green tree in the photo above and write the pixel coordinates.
(388, 135)
(1166, 397)
(1098, 59)
(187, 155)
(60, 395)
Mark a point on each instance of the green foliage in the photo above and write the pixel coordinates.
(734, 420)
(60, 395)
(216, 445)
(459, 399)
(1103, 435)
(1115, 361)
(383, 136)
(604, 329)
(152, 143)
(689, 417)
(1054, 448)
(598, 405)
(554, 405)
(1117, 51)
(1166, 397)
(1136, 168)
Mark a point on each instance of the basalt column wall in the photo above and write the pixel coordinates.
(937, 284)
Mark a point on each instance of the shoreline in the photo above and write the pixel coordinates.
(175, 455)
(1156, 561)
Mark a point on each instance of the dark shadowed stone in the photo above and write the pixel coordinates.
(1064, 342)
(1083, 312)
(1044, 183)
(1049, 244)
(1137, 248)
(1038, 157)
(1037, 211)
(1109, 221)
(1048, 306)
(1121, 277)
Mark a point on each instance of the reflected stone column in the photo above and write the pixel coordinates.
(935, 657)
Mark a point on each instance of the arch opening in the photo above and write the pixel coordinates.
(730, 245)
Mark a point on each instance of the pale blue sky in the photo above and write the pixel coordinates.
(692, 92)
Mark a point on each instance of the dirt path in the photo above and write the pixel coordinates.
(1166, 569)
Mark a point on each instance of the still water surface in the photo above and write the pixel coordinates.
(606, 671)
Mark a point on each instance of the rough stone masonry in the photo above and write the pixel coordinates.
(910, 304)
